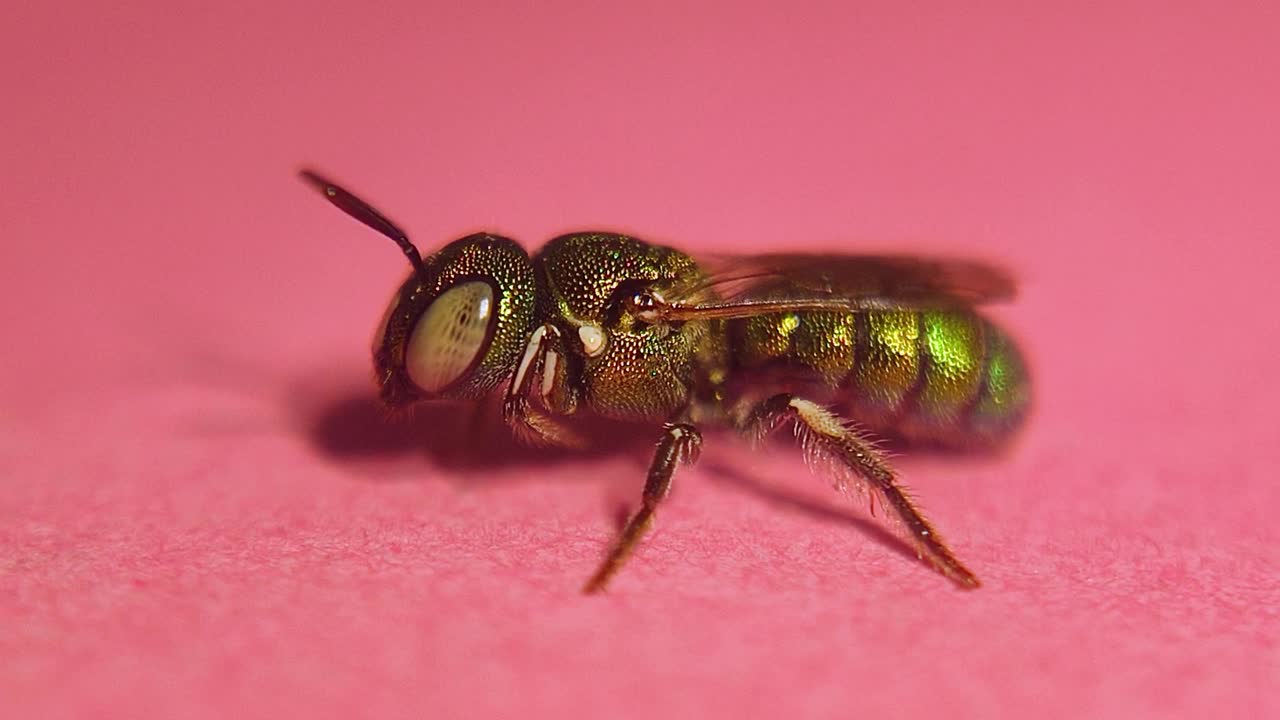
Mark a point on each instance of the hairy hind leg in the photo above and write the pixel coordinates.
(827, 439)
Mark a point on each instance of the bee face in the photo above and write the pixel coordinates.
(628, 368)
(454, 329)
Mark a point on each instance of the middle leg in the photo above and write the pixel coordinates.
(680, 443)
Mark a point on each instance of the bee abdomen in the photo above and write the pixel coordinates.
(943, 376)
(1005, 396)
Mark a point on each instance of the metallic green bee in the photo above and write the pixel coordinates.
(613, 326)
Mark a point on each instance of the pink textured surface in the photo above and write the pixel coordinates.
(200, 513)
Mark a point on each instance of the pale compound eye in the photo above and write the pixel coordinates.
(451, 336)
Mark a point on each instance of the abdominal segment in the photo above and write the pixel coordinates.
(949, 377)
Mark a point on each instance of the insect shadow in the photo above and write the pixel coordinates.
(353, 427)
(778, 496)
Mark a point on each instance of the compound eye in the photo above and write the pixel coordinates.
(451, 336)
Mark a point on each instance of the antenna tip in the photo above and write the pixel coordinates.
(317, 181)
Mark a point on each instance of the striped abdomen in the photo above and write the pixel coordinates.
(943, 376)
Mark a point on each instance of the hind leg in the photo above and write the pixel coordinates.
(829, 440)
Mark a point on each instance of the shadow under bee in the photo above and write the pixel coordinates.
(354, 426)
(779, 496)
(351, 426)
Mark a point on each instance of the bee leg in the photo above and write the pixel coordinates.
(827, 439)
(680, 443)
(529, 424)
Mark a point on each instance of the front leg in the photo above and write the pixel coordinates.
(828, 439)
(540, 373)
(680, 443)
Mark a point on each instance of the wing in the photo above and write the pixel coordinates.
(761, 284)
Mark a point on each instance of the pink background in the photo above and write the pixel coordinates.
(200, 512)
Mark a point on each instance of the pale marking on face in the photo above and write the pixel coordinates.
(592, 338)
(530, 351)
(549, 372)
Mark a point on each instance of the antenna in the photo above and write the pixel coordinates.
(362, 211)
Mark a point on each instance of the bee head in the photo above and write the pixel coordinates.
(456, 325)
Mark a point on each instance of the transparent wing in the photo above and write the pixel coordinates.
(742, 286)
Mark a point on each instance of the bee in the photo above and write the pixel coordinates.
(608, 325)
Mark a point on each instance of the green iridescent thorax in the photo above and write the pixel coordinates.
(496, 260)
(644, 371)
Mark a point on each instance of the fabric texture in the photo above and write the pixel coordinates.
(203, 512)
